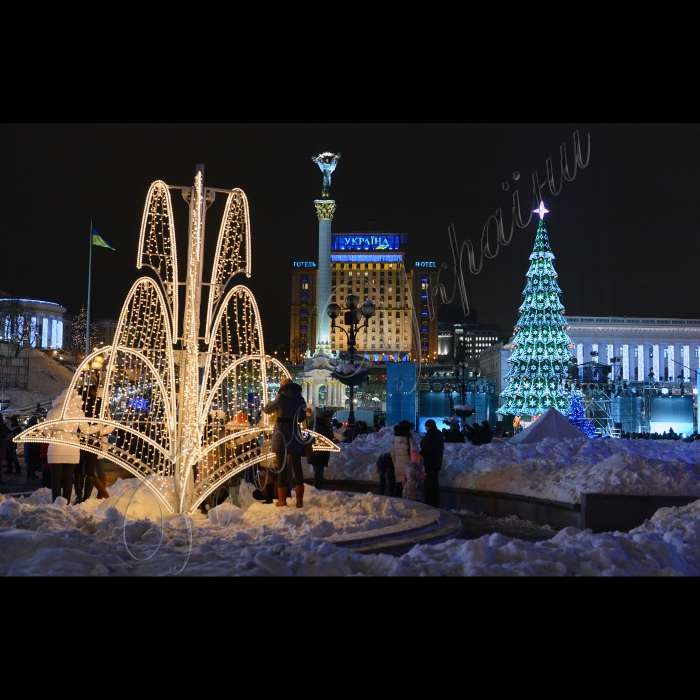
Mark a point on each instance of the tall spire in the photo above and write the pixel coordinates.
(325, 209)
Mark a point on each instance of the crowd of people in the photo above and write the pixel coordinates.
(476, 433)
(411, 470)
(669, 434)
(65, 467)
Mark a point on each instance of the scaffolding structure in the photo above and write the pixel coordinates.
(618, 407)
(14, 371)
(599, 410)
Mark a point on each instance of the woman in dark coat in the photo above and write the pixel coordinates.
(11, 447)
(287, 442)
(319, 459)
(32, 451)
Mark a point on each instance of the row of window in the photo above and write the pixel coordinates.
(381, 345)
(365, 266)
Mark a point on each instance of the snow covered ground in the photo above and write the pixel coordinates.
(556, 470)
(94, 539)
(128, 535)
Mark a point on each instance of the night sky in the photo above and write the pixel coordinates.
(623, 230)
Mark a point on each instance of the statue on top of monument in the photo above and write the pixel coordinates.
(327, 162)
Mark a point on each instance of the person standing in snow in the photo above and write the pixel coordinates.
(84, 477)
(45, 466)
(32, 450)
(432, 448)
(287, 444)
(454, 434)
(414, 476)
(11, 446)
(473, 433)
(401, 447)
(64, 458)
(486, 434)
(319, 458)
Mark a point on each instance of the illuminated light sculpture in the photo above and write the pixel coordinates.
(541, 343)
(164, 405)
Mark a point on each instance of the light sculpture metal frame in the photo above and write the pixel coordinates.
(171, 435)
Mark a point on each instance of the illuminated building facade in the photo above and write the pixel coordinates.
(302, 335)
(666, 347)
(372, 266)
(426, 313)
(461, 337)
(39, 324)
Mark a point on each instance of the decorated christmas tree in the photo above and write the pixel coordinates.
(540, 362)
(77, 332)
(577, 416)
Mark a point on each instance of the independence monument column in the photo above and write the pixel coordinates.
(325, 208)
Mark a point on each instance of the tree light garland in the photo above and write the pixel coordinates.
(541, 358)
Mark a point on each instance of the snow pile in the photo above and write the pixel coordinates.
(554, 469)
(127, 535)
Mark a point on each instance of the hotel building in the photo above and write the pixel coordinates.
(373, 267)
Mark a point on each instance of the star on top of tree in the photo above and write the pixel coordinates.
(541, 210)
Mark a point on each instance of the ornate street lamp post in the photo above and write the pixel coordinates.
(352, 319)
(448, 393)
(461, 374)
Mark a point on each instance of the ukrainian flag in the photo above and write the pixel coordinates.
(98, 240)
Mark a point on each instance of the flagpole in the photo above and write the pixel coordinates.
(87, 327)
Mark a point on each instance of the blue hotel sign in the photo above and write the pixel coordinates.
(378, 242)
(425, 264)
(304, 264)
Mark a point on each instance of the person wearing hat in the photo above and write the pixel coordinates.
(290, 408)
(319, 458)
(432, 448)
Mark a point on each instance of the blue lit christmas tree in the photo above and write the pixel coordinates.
(577, 417)
(541, 358)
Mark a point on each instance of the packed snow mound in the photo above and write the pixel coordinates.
(554, 469)
(550, 424)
